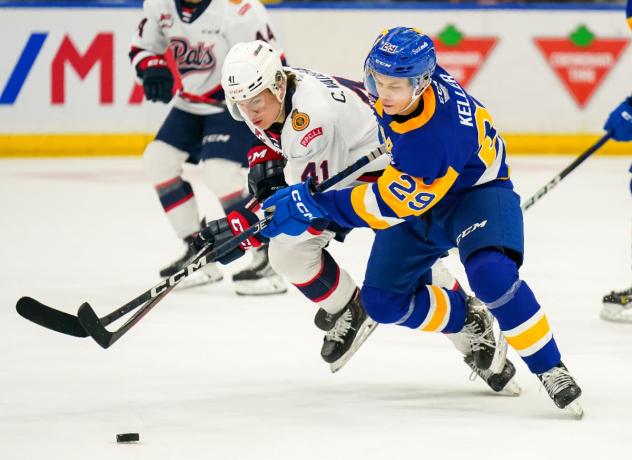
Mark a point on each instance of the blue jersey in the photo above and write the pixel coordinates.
(628, 12)
(446, 147)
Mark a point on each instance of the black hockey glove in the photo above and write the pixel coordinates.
(266, 172)
(157, 79)
(219, 231)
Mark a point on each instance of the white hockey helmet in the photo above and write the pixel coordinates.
(250, 68)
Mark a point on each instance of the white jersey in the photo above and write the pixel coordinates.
(200, 41)
(329, 125)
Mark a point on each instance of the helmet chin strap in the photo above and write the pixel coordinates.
(414, 98)
(281, 98)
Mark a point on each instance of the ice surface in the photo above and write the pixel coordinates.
(210, 375)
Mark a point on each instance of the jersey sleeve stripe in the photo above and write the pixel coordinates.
(493, 171)
(363, 195)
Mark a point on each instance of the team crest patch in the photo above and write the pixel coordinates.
(300, 120)
(310, 136)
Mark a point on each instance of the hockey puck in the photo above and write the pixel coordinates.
(127, 437)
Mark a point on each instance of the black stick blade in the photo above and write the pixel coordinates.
(93, 326)
(49, 318)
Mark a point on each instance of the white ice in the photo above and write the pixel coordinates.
(210, 375)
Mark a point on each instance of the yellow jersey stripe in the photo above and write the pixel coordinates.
(357, 201)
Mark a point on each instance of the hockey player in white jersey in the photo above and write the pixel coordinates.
(198, 34)
(314, 125)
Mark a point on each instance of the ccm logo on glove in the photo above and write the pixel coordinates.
(296, 196)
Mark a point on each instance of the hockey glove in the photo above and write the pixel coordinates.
(620, 121)
(266, 172)
(157, 79)
(219, 231)
(294, 210)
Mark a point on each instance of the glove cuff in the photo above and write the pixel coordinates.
(239, 221)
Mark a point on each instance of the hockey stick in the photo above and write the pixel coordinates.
(68, 324)
(556, 180)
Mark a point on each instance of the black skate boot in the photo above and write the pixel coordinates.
(562, 388)
(500, 382)
(617, 306)
(325, 321)
(207, 275)
(259, 278)
(350, 330)
(479, 330)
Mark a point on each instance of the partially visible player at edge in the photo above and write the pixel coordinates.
(617, 305)
(198, 129)
(447, 186)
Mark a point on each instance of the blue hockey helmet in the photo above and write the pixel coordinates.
(402, 52)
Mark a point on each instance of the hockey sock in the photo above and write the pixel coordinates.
(322, 286)
(178, 200)
(234, 201)
(431, 308)
(494, 278)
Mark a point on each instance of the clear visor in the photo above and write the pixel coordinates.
(412, 86)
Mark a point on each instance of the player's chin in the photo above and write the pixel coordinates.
(261, 124)
(391, 109)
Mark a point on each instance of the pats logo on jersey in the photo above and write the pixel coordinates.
(189, 58)
(462, 56)
(582, 61)
(300, 120)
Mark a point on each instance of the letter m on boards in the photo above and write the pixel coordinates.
(100, 51)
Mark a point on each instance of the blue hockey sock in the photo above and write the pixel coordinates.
(431, 308)
(494, 278)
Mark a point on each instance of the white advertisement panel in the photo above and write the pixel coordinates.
(65, 70)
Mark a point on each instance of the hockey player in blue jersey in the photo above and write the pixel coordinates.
(447, 186)
(617, 305)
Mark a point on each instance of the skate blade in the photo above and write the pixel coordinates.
(363, 334)
(575, 409)
(201, 280)
(511, 389)
(616, 314)
(263, 286)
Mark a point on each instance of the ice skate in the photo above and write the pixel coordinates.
(259, 278)
(617, 306)
(479, 330)
(562, 389)
(502, 382)
(499, 376)
(351, 328)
